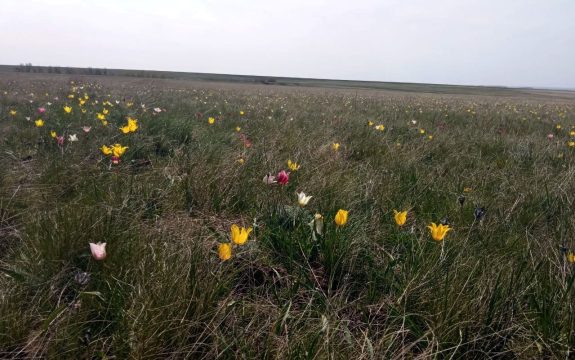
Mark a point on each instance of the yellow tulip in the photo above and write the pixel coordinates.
(101, 116)
(571, 143)
(293, 166)
(118, 150)
(400, 217)
(242, 113)
(571, 257)
(438, 232)
(53, 134)
(13, 112)
(106, 150)
(211, 120)
(238, 129)
(335, 146)
(39, 123)
(240, 235)
(380, 127)
(67, 109)
(225, 251)
(341, 217)
(105, 111)
(370, 123)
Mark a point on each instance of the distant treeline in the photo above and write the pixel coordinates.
(29, 68)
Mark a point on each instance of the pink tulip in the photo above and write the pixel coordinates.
(269, 179)
(550, 136)
(86, 129)
(115, 160)
(60, 140)
(98, 250)
(41, 110)
(282, 177)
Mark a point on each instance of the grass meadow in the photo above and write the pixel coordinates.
(499, 171)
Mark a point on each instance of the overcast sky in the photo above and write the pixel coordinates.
(481, 42)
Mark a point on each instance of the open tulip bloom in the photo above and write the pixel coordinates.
(302, 199)
(438, 232)
(240, 234)
(400, 217)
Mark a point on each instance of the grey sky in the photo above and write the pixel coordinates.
(483, 42)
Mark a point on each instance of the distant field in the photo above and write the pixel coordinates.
(162, 167)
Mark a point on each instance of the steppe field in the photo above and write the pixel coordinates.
(440, 225)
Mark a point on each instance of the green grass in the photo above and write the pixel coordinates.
(500, 286)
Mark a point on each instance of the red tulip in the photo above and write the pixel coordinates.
(282, 177)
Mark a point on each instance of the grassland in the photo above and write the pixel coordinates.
(499, 285)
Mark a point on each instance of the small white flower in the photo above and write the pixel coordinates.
(157, 110)
(72, 138)
(302, 199)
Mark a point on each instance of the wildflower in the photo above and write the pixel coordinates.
(86, 129)
(60, 140)
(430, 137)
(370, 123)
(341, 217)
(335, 146)
(467, 189)
(101, 116)
(242, 113)
(118, 150)
(81, 102)
(157, 110)
(225, 251)
(479, 213)
(131, 127)
(98, 250)
(115, 160)
(238, 129)
(72, 138)
(71, 96)
(400, 217)
(53, 134)
(105, 111)
(241, 161)
(282, 177)
(293, 166)
(571, 143)
(67, 109)
(302, 199)
(240, 235)
(438, 232)
(380, 127)
(211, 120)
(41, 110)
(13, 112)
(571, 257)
(318, 223)
(572, 133)
(422, 131)
(106, 150)
(39, 123)
(558, 126)
(269, 179)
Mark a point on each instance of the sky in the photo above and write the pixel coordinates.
(472, 42)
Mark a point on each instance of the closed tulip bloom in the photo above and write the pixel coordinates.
(438, 232)
(240, 234)
(571, 257)
(41, 110)
(400, 217)
(341, 217)
(225, 251)
(302, 199)
(53, 134)
(282, 177)
(318, 223)
(98, 250)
